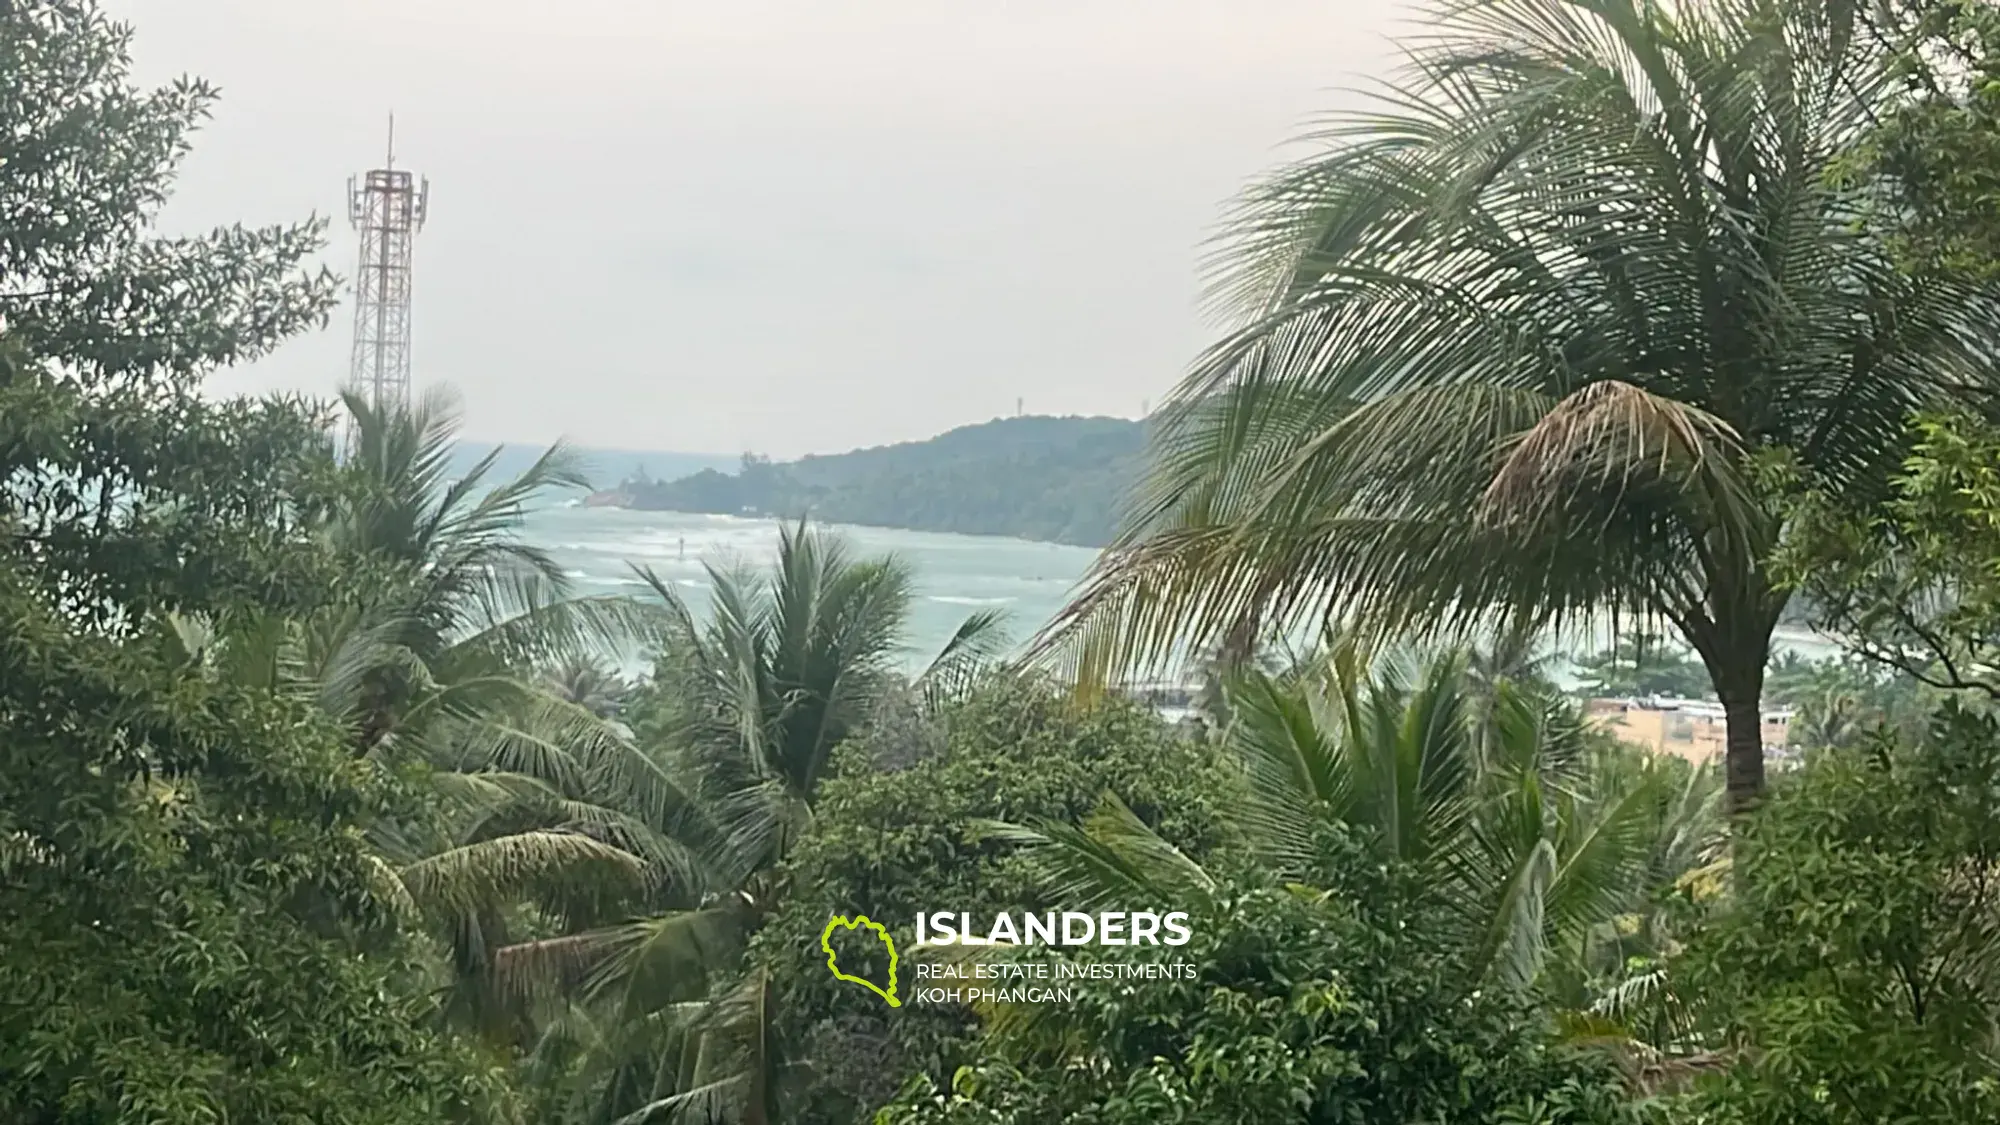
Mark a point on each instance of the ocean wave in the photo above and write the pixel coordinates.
(958, 599)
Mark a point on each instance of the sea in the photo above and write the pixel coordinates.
(956, 575)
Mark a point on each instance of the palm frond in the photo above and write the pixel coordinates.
(462, 879)
(974, 645)
(1493, 295)
(1112, 859)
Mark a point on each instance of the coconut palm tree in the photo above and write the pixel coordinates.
(429, 656)
(791, 661)
(1518, 656)
(741, 718)
(1532, 335)
(1641, 665)
(588, 681)
(465, 607)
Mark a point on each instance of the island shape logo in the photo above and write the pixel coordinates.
(861, 920)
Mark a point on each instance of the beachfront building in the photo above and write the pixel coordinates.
(1693, 729)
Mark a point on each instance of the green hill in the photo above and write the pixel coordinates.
(1061, 480)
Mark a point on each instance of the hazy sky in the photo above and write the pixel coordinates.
(791, 227)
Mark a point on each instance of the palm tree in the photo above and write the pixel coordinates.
(464, 607)
(1518, 656)
(740, 722)
(586, 680)
(1548, 848)
(1515, 342)
(429, 656)
(790, 663)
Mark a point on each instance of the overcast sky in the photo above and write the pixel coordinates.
(787, 226)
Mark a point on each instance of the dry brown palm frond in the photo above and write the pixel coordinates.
(1605, 437)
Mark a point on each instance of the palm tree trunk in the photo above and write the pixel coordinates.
(1735, 655)
(1743, 749)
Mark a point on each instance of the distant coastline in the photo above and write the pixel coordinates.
(1035, 478)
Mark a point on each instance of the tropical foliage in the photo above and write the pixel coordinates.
(1842, 700)
(647, 1006)
(1643, 665)
(1912, 580)
(1855, 978)
(1520, 339)
(1308, 1008)
(1937, 148)
(1483, 860)
(324, 797)
(189, 921)
(192, 926)
(897, 832)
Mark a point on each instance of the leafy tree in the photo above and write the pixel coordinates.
(1513, 344)
(1909, 582)
(1840, 702)
(1937, 146)
(90, 159)
(1309, 1006)
(1643, 666)
(105, 327)
(891, 837)
(192, 928)
(190, 925)
(1853, 977)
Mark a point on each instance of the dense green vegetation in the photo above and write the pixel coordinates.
(190, 921)
(322, 798)
(1060, 480)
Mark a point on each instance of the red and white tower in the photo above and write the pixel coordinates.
(387, 205)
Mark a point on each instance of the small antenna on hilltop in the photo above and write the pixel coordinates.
(1017, 407)
(391, 162)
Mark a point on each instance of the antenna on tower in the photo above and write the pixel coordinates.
(388, 207)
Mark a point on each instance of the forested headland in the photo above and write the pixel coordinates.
(1058, 480)
(322, 798)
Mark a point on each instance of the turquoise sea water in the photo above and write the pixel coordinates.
(956, 574)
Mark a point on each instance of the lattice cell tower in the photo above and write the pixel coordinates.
(388, 206)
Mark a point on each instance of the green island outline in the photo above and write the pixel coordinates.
(826, 943)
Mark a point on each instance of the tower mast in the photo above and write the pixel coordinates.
(388, 206)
